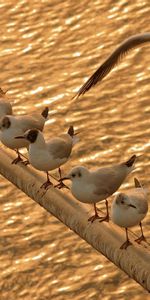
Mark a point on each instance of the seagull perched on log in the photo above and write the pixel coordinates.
(12, 126)
(129, 209)
(49, 155)
(94, 186)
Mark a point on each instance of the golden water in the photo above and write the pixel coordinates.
(47, 50)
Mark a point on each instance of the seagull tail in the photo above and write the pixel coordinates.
(2, 92)
(73, 135)
(129, 163)
(45, 112)
(137, 183)
(71, 131)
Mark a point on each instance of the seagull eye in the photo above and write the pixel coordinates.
(73, 175)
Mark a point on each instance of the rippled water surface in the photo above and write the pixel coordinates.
(48, 49)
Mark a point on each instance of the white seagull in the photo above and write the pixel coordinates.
(49, 155)
(129, 209)
(95, 186)
(113, 60)
(12, 126)
(5, 105)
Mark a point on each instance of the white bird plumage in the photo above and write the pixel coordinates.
(129, 209)
(5, 105)
(49, 155)
(12, 126)
(95, 186)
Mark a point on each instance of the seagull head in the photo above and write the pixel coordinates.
(123, 201)
(30, 135)
(5, 123)
(76, 174)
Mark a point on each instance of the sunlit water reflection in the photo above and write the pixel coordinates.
(48, 49)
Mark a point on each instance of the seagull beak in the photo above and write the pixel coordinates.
(131, 205)
(20, 137)
(64, 178)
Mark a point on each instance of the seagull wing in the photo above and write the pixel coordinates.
(105, 182)
(59, 148)
(5, 108)
(109, 178)
(32, 121)
(112, 60)
(139, 200)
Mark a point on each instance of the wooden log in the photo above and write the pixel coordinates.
(106, 238)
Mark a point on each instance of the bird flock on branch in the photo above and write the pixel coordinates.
(129, 208)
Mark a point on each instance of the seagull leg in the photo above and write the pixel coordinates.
(46, 184)
(61, 185)
(26, 161)
(96, 216)
(142, 237)
(17, 159)
(59, 171)
(106, 218)
(127, 243)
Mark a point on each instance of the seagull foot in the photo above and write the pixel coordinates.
(93, 218)
(46, 184)
(106, 219)
(61, 185)
(16, 160)
(140, 239)
(126, 244)
(25, 162)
